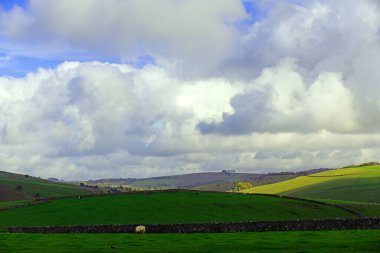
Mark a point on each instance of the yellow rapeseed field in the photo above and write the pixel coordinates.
(313, 179)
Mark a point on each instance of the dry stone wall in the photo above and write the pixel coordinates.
(295, 225)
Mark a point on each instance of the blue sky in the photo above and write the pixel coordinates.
(8, 4)
(16, 63)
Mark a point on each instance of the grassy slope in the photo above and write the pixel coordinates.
(191, 180)
(256, 181)
(354, 184)
(321, 241)
(31, 186)
(366, 209)
(165, 207)
(219, 187)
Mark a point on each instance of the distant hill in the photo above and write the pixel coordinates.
(15, 187)
(179, 181)
(208, 181)
(361, 184)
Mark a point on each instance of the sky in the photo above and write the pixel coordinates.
(140, 88)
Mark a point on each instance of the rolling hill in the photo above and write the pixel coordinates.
(16, 187)
(360, 184)
(187, 181)
(166, 207)
(207, 181)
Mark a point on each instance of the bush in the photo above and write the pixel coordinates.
(242, 186)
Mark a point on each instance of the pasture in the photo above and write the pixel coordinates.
(13, 203)
(360, 184)
(15, 187)
(316, 241)
(166, 207)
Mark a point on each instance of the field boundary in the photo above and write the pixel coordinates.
(249, 226)
(30, 203)
(356, 213)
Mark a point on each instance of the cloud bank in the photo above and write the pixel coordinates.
(197, 86)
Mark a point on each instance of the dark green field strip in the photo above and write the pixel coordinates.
(358, 189)
(166, 208)
(321, 241)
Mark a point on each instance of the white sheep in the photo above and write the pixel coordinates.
(140, 229)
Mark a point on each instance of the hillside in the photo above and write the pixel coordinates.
(178, 181)
(15, 187)
(207, 181)
(361, 184)
(166, 207)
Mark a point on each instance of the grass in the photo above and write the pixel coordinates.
(31, 186)
(13, 203)
(366, 209)
(165, 207)
(359, 190)
(227, 186)
(359, 184)
(154, 183)
(220, 187)
(317, 241)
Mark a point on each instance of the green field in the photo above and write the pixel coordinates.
(13, 203)
(365, 209)
(166, 207)
(361, 184)
(31, 187)
(318, 241)
(359, 189)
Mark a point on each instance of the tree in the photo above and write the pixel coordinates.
(19, 187)
(242, 186)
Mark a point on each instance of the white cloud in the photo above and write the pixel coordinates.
(297, 89)
(280, 101)
(88, 120)
(90, 109)
(333, 84)
(186, 31)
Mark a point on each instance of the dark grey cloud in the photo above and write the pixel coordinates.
(323, 39)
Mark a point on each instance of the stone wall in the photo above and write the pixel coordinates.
(295, 225)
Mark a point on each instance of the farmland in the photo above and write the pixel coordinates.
(316, 241)
(360, 184)
(166, 207)
(15, 187)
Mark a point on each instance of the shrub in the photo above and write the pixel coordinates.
(242, 186)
